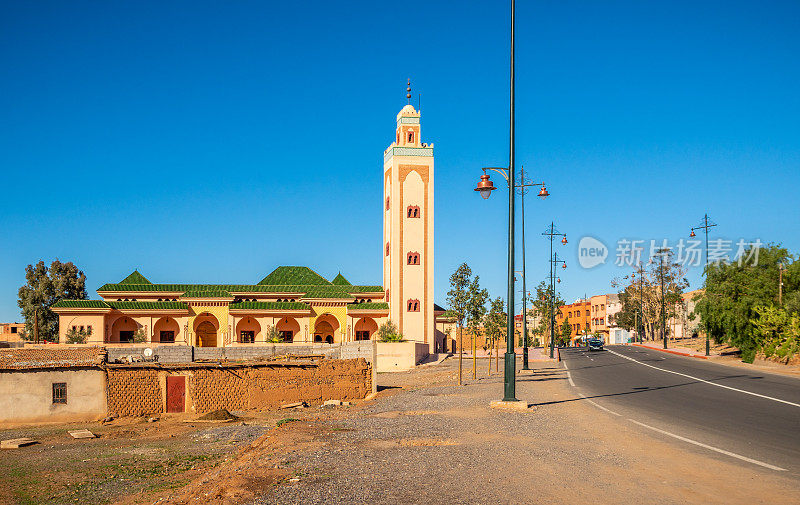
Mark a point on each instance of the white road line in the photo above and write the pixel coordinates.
(570, 380)
(708, 382)
(565, 365)
(598, 405)
(721, 451)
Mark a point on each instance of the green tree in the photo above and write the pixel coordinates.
(44, 287)
(779, 331)
(566, 333)
(494, 326)
(272, 335)
(76, 336)
(457, 301)
(540, 304)
(737, 293)
(388, 332)
(640, 294)
(476, 310)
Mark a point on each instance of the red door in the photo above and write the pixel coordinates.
(176, 393)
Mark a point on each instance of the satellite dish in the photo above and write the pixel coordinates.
(147, 352)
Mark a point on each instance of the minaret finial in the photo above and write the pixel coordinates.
(408, 92)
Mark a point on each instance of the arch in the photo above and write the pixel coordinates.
(123, 329)
(326, 326)
(412, 305)
(206, 327)
(288, 327)
(247, 330)
(365, 328)
(166, 330)
(412, 258)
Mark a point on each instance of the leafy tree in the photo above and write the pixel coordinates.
(736, 294)
(78, 336)
(139, 336)
(458, 299)
(779, 331)
(44, 287)
(566, 333)
(494, 325)
(388, 332)
(540, 304)
(640, 294)
(476, 310)
(272, 335)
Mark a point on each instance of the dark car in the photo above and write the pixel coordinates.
(596, 344)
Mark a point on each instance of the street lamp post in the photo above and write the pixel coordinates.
(551, 232)
(705, 225)
(663, 319)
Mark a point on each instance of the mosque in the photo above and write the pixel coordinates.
(293, 304)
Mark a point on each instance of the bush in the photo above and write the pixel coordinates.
(139, 336)
(273, 335)
(75, 336)
(388, 333)
(748, 355)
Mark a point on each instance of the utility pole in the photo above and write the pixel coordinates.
(705, 225)
(780, 284)
(663, 320)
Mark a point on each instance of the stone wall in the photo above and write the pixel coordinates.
(140, 389)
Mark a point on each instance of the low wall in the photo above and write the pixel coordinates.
(188, 354)
(135, 390)
(399, 356)
(27, 395)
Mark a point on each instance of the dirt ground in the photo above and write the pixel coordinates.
(423, 439)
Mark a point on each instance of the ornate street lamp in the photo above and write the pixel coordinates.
(552, 232)
(705, 225)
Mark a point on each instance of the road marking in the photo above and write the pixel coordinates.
(569, 376)
(721, 451)
(708, 382)
(598, 405)
(565, 365)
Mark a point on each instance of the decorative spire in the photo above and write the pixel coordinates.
(408, 92)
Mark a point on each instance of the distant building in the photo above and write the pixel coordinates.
(579, 316)
(11, 333)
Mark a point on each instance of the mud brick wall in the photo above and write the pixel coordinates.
(219, 388)
(133, 391)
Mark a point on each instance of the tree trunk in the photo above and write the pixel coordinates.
(474, 356)
(36, 325)
(497, 354)
(460, 352)
(490, 360)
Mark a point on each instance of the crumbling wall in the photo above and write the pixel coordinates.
(138, 390)
(134, 391)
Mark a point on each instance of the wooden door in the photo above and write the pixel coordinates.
(176, 393)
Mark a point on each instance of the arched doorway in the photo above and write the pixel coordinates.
(166, 330)
(288, 329)
(326, 329)
(206, 334)
(247, 330)
(365, 328)
(123, 330)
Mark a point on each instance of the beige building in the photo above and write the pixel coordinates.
(408, 230)
(11, 332)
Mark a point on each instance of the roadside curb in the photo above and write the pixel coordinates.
(698, 356)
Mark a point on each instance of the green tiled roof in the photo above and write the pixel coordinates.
(202, 292)
(368, 306)
(135, 278)
(269, 306)
(80, 304)
(365, 289)
(327, 292)
(147, 305)
(295, 275)
(339, 280)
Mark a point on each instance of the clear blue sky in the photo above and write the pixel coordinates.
(211, 142)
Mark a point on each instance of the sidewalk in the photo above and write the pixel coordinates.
(534, 354)
(680, 351)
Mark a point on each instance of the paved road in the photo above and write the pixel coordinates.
(750, 416)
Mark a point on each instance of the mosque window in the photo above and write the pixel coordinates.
(387, 203)
(413, 258)
(387, 248)
(413, 305)
(410, 137)
(412, 211)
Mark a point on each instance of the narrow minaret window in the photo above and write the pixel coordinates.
(410, 137)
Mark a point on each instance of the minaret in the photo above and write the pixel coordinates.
(408, 228)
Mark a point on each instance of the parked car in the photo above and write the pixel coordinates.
(596, 344)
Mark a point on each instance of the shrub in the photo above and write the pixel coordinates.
(75, 336)
(388, 333)
(272, 335)
(139, 336)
